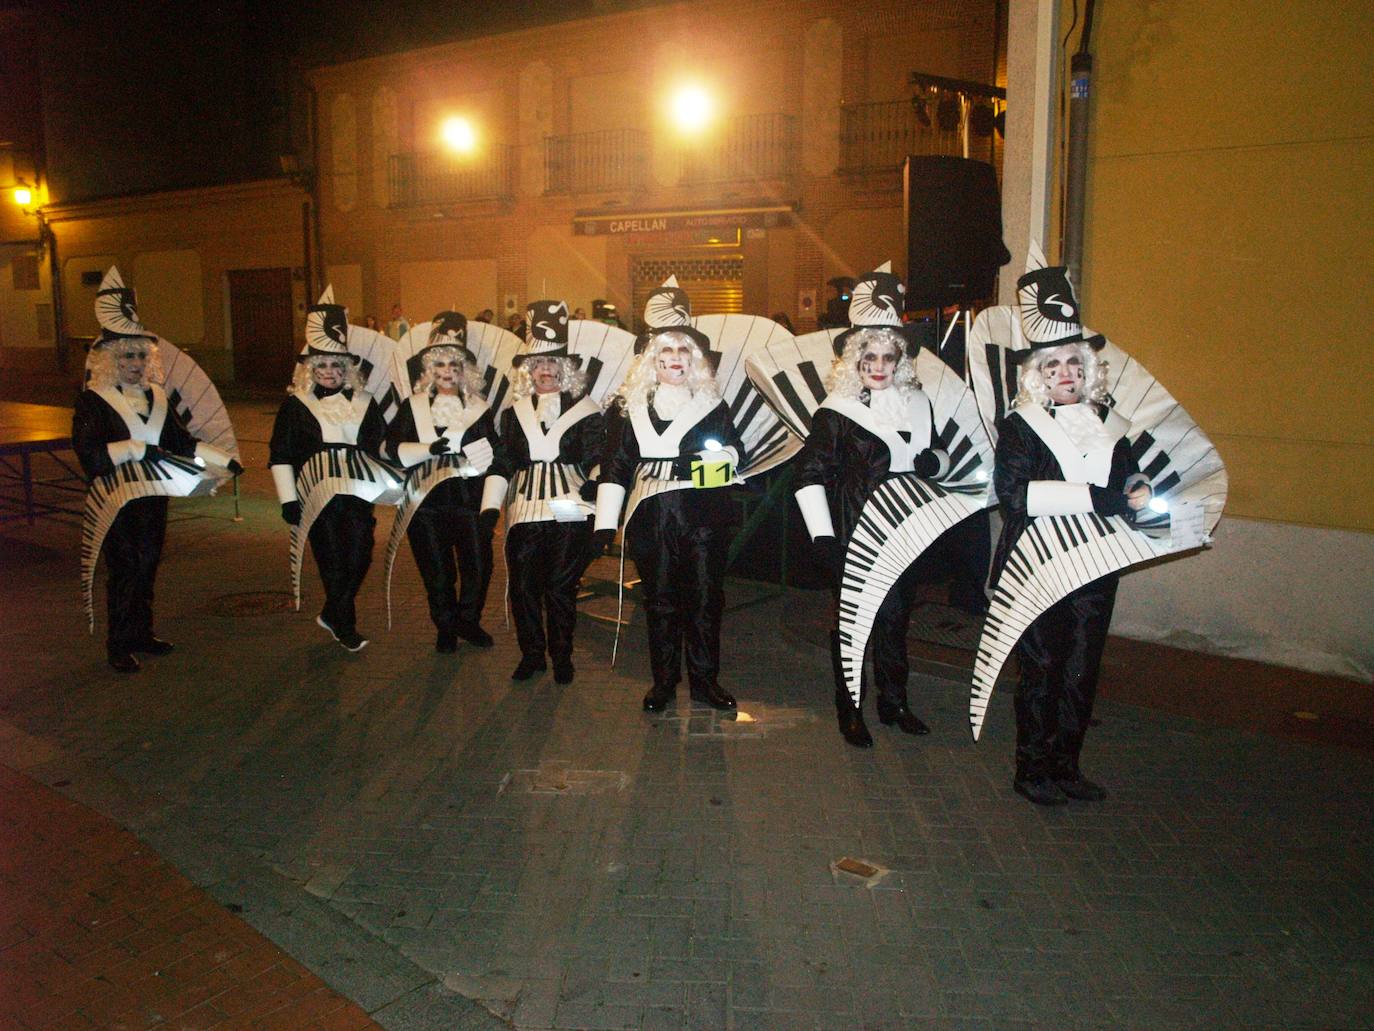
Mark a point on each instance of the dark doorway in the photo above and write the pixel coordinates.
(263, 326)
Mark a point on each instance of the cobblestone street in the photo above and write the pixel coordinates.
(447, 849)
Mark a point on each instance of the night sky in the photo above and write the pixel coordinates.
(136, 97)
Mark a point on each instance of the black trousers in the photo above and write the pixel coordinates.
(133, 548)
(681, 569)
(1060, 655)
(341, 541)
(438, 533)
(887, 643)
(546, 560)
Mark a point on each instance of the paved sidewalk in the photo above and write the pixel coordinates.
(449, 849)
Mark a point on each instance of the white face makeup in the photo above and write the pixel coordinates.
(1062, 370)
(877, 366)
(131, 360)
(544, 374)
(447, 370)
(327, 372)
(673, 362)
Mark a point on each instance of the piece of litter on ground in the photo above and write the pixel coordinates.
(849, 870)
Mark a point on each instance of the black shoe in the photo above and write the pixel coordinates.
(474, 634)
(446, 643)
(853, 729)
(658, 698)
(715, 696)
(151, 645)
(1040, 790)
(123, 662)
(563, 671)
(352, 641)
(528, 667)
(321, 621)
(1080, 788)
(907, 721)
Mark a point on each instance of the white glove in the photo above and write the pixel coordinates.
(479, 454)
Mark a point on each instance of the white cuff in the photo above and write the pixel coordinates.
(411, 453)
(725, 454)
(121, 451)
(1055, 497)
(943, 470)
(479, 454)
(211, 455)
(609, 499)
(284, 477)
(493, 493)
(816, 511)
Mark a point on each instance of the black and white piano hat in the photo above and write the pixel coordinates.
(546, 332)
(449, 329)
(116, 309)
(326, 330)
(1050, 315)
(668, 310)
(877, 302)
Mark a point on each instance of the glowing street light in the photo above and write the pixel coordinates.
(459, 135)
(692, 108)
(23, 196)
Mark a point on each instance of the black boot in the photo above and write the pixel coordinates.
(529, 666)
(474, 634)
(122, 661)
(714, 695)
(152, 645)
(849, 715)
(907, 721)
(658, 698)
(1040, 790)
(563, 671)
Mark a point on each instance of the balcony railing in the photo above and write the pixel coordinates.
(880, 136)
(748, 147)
(438, 178)
(591, 162)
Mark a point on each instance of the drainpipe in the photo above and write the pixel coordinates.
(1080, 90)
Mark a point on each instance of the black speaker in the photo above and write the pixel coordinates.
(953, 230)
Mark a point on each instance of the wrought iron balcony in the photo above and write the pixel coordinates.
(591, 162)
(438, 178)
(880, 136)
(748, 147)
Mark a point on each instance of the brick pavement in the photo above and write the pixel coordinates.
(420, 832)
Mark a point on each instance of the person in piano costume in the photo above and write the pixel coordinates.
(874, 423)
(123, 416)
(328, 407)
(447, 414)
(1061, 451)
(552, 437)
(667, 422)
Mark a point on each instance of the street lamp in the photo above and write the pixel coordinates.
(23, 196)
(692, 108)
(458, 135)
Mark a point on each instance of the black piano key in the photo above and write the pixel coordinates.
(1157, 466)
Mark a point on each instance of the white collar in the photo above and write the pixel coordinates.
(670, 399)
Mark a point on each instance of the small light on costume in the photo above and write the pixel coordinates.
(200, 462)
(713, 445)
(692, 109)
(23, 196)
(981, 476)
(459, 135)
(1160, 505)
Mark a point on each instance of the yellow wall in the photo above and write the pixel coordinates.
(1228, 234)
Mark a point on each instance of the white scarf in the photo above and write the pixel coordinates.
(891, 409)
(670, 399)
(446, 409)
(136, 398)
(335, 409)
(548, 407)
(1082, 426)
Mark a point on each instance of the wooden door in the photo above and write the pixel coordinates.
(262, 325)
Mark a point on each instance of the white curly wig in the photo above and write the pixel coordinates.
(469, 376)
(844, 381)
(302, 380)
(102, 371)
(638, 388)
(1031, 386)
(571, 379)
